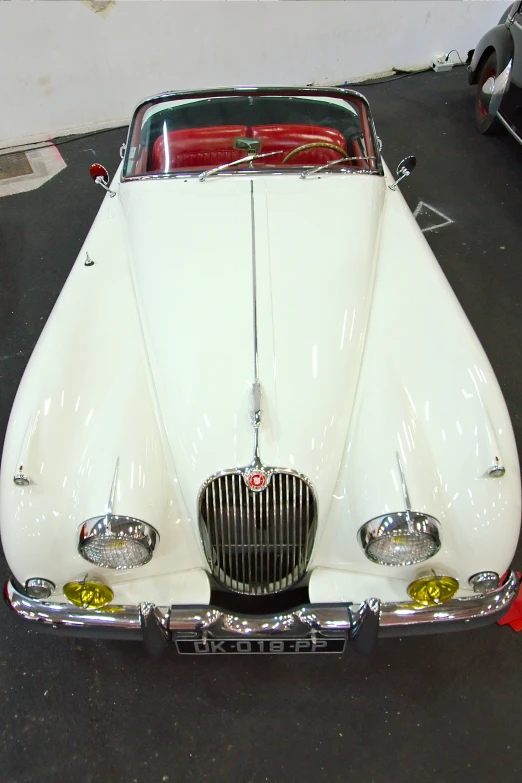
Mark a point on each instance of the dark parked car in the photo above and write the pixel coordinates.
(495, 66)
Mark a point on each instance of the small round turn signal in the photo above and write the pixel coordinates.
(88, 594)
(432, 590)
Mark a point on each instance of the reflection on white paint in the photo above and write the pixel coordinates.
(401, 447)
(314, 361)
(480, 374)
(353, 325)
(394, 478)
(410, 400)
(474, 381)
(406, 435)
(344, 329)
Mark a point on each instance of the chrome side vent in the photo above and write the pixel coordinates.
(258, 542)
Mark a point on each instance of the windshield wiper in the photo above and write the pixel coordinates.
(306, 174)
(246, 159)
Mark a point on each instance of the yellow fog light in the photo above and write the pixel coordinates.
(88, 594)
(431, 590)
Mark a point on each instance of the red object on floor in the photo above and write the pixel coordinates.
(514, 615)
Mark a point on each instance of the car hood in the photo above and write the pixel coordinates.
(372, 381)
(221, 262)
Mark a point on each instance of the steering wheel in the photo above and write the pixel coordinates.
(312, 145)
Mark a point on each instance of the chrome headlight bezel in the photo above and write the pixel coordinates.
(114, 529)
(407, 524)
(39, 588)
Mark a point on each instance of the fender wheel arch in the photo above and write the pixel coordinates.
(486, 124)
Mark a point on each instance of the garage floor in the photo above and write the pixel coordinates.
(439, 709)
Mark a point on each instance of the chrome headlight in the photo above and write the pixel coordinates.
(400, 539)
(114, 541)
(39, 588)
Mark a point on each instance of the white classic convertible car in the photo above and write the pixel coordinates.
(258, 420)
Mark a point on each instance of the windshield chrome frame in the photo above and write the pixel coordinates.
(325, 92)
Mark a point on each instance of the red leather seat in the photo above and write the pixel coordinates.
(197, 148)
(288, 137)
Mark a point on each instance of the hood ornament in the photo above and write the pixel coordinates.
(256, 476)
(257, 413)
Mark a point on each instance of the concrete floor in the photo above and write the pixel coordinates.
(439, 709)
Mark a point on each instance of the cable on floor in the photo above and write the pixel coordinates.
(29, 148)
(399, 74)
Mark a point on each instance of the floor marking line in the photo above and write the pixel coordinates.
(446, 220)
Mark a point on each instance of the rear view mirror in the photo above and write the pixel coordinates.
(404, 169)
(100, 176)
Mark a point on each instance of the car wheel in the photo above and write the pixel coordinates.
(484, 122)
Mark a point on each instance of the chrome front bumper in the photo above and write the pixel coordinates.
(362, 623)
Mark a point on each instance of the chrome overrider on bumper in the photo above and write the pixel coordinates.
(361, 623)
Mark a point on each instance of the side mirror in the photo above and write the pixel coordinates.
(404, 169)
(100, 176)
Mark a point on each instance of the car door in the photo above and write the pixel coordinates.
(511, 107)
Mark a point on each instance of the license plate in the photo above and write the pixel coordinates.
(256, 646)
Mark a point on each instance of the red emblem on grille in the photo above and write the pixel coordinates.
(257, 480)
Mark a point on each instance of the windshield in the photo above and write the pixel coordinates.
(235, 131)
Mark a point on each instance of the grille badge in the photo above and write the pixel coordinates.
(256, 480)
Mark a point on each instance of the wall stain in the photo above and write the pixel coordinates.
(101, 7)
(46, 85)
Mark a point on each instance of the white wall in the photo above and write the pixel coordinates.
(64, 67)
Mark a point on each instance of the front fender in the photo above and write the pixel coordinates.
(427, 397)
(85, 405)
(499, 40)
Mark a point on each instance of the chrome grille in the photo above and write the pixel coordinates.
(258, 542)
